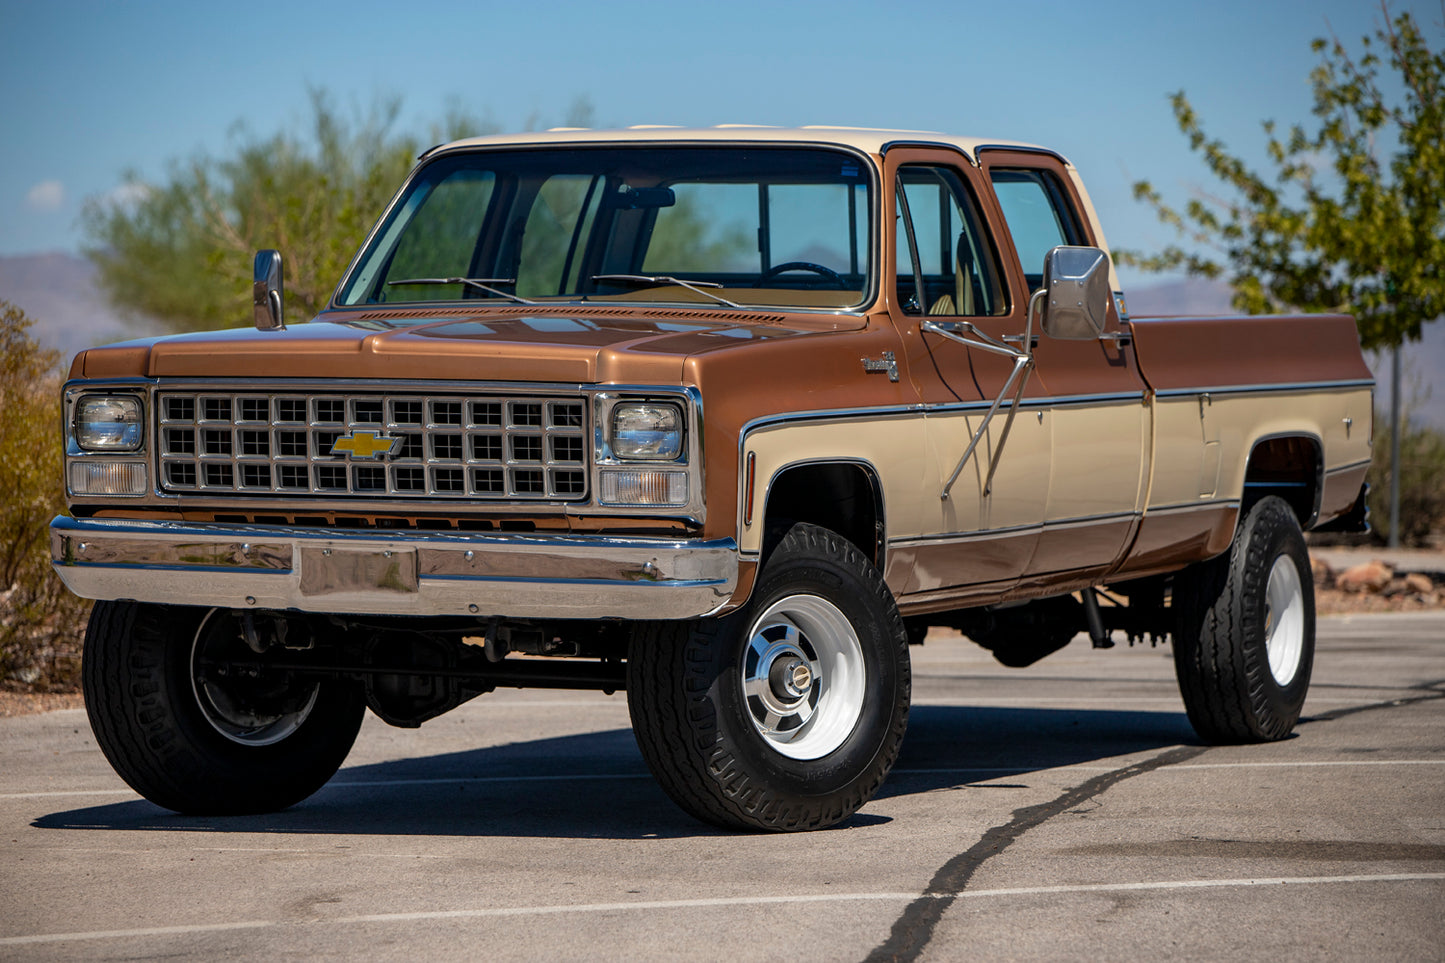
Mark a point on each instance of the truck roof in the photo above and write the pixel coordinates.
(866, 139)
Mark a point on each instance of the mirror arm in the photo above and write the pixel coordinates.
(1007, 427)
(980, 340)
(1023, 364)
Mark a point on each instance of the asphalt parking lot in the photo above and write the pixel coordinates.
(1060, 812)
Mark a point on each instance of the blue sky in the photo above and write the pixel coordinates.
(89, 90)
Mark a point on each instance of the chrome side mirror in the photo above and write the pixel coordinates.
(266, 291)
(1076, 293)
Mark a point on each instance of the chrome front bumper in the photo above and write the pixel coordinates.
(393, 573)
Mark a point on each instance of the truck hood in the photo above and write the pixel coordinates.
(610, 345)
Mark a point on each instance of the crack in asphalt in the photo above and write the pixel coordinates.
(914, 927)
(1431, 691)
(913, 930)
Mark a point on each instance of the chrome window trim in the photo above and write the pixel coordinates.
(1021, 149)
(868, 301)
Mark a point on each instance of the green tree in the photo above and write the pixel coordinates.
(40, 622)
(181, 251)
(1352, 218)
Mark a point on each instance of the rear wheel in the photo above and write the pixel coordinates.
(787, 714)
(192, 732)
(1245, 640)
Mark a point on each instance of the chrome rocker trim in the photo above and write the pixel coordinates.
(393, 573)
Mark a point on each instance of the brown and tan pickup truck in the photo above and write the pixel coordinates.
(725, 418)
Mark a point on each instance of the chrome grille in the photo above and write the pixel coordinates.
(428, 446)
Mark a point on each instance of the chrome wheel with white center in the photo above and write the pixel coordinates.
(803, 676)
(788, 713)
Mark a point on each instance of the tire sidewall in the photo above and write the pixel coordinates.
(159, 740)
(793, 571)
(1269, 533)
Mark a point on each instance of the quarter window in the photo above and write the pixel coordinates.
(1038, 215)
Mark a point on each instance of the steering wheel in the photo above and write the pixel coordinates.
(826, 272)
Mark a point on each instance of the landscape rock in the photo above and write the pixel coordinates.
(1369, 577)
(1324, 575)
(1419, 583)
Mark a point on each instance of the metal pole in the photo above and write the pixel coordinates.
(1395, 424)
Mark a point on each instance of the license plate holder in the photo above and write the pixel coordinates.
(338, 571)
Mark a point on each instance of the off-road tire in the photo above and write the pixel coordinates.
(1222, 639)
(696, 726)
(136, 674)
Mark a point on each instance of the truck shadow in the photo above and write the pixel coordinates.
(595, 785)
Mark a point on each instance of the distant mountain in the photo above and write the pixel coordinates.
(60, 293)
(1423, 384)
(1189, 296)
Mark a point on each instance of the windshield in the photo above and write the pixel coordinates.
(721, 226)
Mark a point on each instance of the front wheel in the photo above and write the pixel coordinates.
(192, 731)
(787, 714)
(1245, 640)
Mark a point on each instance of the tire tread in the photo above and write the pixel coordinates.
(674, 724)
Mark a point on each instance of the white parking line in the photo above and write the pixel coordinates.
(740, 901)
(69, 792)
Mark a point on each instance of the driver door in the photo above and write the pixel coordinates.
(943, 268)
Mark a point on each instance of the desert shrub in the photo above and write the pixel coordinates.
(1422, 482)
(41, 623)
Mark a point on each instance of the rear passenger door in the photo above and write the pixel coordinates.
(1094, 395)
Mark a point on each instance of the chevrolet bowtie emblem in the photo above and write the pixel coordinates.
(365, 444)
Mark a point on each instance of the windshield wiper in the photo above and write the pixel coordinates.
(659, 279)
(481, 284)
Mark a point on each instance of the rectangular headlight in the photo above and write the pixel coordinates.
(651, 431)
(108, 423)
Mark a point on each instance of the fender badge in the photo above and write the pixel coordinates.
(888, 365)
(365, 444)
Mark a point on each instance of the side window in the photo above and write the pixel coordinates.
(1038, 216)
(444, 238)
(946, 263)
